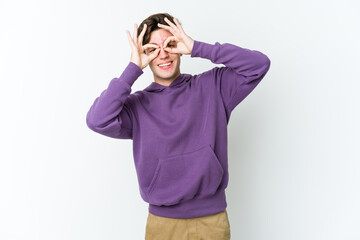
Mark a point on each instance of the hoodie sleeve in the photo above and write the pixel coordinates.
(110, 114)
(244, 69)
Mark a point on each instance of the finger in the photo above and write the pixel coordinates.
(170, 38)
(170, 50)
(178, 24)
(135, 33)
(129, 37)
(150, 45)
(142, 35)
(154, 54)
(170, 23)
(170, 29)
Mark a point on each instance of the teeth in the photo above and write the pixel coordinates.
(163, 65)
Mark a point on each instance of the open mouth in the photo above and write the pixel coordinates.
(166, 66)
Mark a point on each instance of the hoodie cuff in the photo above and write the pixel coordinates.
(131, 73)
(202, 49)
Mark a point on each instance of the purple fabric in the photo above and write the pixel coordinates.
(179, 131)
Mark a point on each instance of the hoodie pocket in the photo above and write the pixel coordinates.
(183, 176)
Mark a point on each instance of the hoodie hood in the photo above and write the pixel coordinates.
(178, 82)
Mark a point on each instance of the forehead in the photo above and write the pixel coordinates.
(159, 36)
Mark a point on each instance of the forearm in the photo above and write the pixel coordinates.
(103, 115)
(246, 62)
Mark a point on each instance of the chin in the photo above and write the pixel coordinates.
(166, 76)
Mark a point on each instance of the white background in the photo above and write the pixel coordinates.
(293, 142)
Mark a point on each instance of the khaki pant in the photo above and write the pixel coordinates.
(211, 227)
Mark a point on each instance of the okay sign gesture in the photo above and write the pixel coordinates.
(138, 55)
(184, 43)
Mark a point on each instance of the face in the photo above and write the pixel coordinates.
(166, 74)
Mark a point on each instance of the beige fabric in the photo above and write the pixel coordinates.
(211, 227)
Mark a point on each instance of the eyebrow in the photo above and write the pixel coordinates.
(158, 45)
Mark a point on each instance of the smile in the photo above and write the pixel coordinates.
(166, 65)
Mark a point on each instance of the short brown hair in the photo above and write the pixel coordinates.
(152, 24)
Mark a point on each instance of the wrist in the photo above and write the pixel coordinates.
(190, 45)
(137, 64)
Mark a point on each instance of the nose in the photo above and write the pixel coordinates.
(163, 53)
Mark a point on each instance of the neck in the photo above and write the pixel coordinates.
(166, 82)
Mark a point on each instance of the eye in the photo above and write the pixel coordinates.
(171, 45)
(149, 50)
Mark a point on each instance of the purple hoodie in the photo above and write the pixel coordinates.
(179, 131)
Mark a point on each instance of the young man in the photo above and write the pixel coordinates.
(178, 125)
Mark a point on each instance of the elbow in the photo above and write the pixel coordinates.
(265, 65)
(91, 123)
(263, 68)
(264, 60)
(96, 127)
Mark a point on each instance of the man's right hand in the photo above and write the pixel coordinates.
(138, 55)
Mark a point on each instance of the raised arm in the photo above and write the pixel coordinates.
(110, 114)
(244, 69)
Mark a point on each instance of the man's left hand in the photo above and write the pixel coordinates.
(184, 43)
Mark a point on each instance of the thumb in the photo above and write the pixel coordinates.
(171, 50)
(154, 54)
